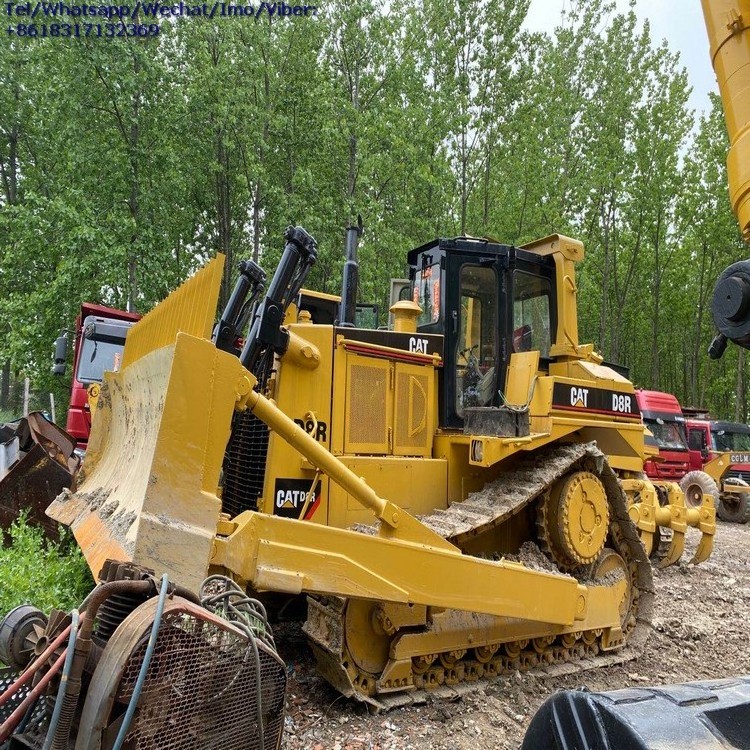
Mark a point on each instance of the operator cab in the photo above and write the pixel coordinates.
(488, 300)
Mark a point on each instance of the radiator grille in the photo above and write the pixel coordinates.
(244, 464)
(37, 723)
(201, 689)
(366, 413)
(743, 474)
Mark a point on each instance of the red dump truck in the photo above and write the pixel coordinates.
(37, 458)
(662, 415)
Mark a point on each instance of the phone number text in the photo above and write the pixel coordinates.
(104, 30)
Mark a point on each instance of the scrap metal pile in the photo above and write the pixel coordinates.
(142, 664)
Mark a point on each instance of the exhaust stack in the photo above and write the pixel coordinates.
(348, 308)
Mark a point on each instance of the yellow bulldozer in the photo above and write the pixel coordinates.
(458, 497)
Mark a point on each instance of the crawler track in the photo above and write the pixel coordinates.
(455, 669)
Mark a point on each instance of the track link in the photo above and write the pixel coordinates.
(451, 672)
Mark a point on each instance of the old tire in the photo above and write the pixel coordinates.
(734, 508)
(694, 485)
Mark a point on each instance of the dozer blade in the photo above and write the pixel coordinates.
(152, 470)
(147, 491)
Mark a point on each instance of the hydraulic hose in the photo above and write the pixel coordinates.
(63, 681)
(133, 704)
(82, 649)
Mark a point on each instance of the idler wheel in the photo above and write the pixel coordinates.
(575, 520)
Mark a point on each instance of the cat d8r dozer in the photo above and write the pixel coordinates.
(458, 497)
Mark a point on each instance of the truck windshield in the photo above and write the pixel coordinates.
(668, 435)
(732, 441)
(101, 348)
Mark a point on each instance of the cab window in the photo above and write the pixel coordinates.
(531, 313)
(476, 346)
(426, 294)
(696, 440)
(101, 349)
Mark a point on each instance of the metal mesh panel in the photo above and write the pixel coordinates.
(411, 411)
(201, 690)
(245, 464)
(7, 678)
(367, 410)
(35, 729)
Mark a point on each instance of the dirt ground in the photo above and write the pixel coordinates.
(699, 631)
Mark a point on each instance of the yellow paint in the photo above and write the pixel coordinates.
(189, 309)
(728, 26)
(362, 420)
(149, 494)
(522, 373)
(277, 552)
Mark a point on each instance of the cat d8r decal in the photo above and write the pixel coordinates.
(594, 400)
(294, 498)
(318, 430)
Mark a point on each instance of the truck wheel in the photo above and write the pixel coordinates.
(734, 508)
(694, 485)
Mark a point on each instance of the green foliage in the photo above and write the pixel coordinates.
(124, 167)
(38, 571)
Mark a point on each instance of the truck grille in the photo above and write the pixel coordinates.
(743, 474)
(244, 464)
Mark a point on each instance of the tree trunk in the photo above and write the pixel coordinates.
(740, 396)
(224, 213)
(133, 200)
(5, 385)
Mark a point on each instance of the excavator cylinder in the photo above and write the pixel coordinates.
(728, 25)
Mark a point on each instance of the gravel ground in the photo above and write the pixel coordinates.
(699, 631)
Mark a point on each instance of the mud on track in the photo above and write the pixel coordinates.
(700, 631)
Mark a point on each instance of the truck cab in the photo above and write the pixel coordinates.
(710, 436)
(662, 415)
(99, 342)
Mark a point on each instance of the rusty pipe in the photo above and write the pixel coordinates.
(82, 648)
(12, 721)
